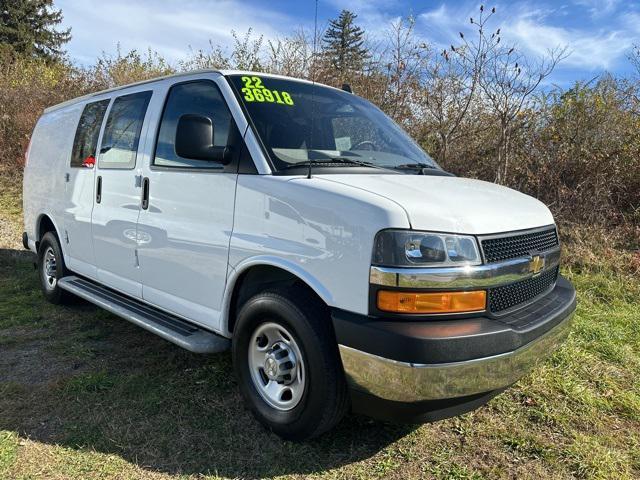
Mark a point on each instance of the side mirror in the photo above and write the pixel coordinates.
(194, 140)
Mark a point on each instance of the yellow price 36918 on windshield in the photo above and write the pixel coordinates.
(255, 91)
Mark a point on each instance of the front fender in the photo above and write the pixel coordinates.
(234, 274)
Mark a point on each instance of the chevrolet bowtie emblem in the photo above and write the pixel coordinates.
(536, 264)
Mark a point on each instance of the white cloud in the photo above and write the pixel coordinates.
(598, 8)
(439, 16)
(168, 27)
(588, 50)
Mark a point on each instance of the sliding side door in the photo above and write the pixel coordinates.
(117, 194)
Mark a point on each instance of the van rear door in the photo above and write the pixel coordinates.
(117, 193)
(185, 226)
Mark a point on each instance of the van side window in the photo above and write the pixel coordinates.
(199, 97)
(122, 133)
(85, 142)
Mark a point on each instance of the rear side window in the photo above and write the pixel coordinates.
(202, 98)
(85, 142)
(122, 132)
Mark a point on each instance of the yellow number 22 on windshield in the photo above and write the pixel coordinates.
(255, 91)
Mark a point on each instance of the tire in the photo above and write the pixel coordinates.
(323, 400)
(51, 268)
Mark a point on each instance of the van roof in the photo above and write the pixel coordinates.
(175, 75)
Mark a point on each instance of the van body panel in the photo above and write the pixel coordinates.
(44, 178)
(323, 228)
(114, 224)
(184, 242)
(78, 209)
(454, 204)
(32, 204)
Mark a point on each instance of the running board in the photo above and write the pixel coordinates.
(165, 325)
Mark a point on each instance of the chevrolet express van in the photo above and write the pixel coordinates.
(297, 225)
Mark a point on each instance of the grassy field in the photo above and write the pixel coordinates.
(84, 394)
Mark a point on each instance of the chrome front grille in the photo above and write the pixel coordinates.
(508, 246)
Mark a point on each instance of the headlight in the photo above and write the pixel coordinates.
(405, 248)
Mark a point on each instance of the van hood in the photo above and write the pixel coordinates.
(453, 204)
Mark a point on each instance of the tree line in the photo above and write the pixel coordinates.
(481, 107)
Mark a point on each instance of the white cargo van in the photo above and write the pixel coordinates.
(299, 226)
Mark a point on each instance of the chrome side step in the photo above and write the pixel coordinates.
(165, 325)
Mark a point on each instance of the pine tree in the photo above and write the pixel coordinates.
(344, 45)
(27, 27)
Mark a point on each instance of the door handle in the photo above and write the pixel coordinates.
(99, 190)
(145, 193)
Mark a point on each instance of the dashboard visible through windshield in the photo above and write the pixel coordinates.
(299, 122)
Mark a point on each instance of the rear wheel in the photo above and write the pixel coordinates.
(287, 363)
(51, 269)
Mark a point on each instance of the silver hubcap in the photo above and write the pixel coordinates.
(277, 366)
(50, 268)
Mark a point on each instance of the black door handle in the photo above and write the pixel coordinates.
(145, 193)
(99, 190)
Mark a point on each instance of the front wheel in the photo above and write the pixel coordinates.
(287, 363)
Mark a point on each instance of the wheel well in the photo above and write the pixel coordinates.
(44, 225)
(257, 279)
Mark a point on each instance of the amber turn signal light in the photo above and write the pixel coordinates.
(432, 302)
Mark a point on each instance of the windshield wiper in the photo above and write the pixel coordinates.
(422, 169)
(337, 160)
(413, 166)
(359, 162)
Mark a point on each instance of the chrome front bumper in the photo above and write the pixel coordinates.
(412, 382)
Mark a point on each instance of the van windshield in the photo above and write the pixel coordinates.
(300, 123)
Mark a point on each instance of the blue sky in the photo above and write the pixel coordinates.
(598, 34)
